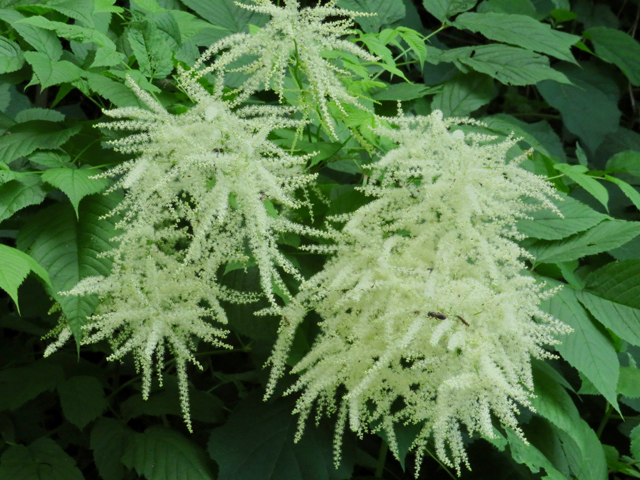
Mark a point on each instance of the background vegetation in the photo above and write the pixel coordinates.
(573, 99)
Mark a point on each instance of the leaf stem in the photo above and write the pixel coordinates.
(605, 419)
(382, 458)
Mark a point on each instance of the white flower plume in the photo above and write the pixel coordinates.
(293, 37)
(206, 188)
(427, 316)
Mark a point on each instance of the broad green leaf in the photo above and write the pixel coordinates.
(44, 114)
(595, 14)
(629, 382)
(386, 12)
(612, 295)
(530, 456)
(43, 41)
(151, 50)
(49, 72)
(14, 268)
(49, 159)
(69, 250)
(26, 137)
(106, 6)
(554, 403)
(42, 460)
(629, 190)
(520, 30)
(107, 57)
(443, 9)
(19, 385)
(587, 460)
(463, 94)
(590, 184)
(507, 64)
(415, 42)
(162, 454)
(403, 92)
(635, 443)
(11, 57)
(625, 162)
(226, 14)
(257, 430)
(82, 399)
(18, 194)
(587, 348)
(5, 96)
(116, 92)
(617, 47)
(621, 319)
(546, 225)
(518, 7)
(539, 136)
(108, 440)
(71, 32)
(82, 11)
(589, 107)
(189, 25)
(605, 236)
(149, 5)
(75, 183)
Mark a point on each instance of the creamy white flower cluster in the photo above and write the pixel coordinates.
(427, 316)
(293, 37)
(201, 193)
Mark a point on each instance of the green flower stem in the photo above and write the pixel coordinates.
(382, 458)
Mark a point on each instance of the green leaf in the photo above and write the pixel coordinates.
(108, 440)
(49, 72)
(226, 14)
(589, 107)
(257, 441)
(49, 159)
(520, 30)
(71, 32)
(43, 41)
(629, 382)
(443, 9)
(44, 114)
(635, 443)
(69, 250)
(106, 6)
(554, 403)
(530, 456)
(587, 459)
(625, 162)
(11, 57)
(19, 385)
(463, 94)
(518, 7)
(587, 348)
(42, 460)
(75, 183)
(546, 225)
(402, 91)
(612, 295)
(386, 12)
(605, 236)
(116, 92)
(629, 190)
(107, 57)
(149, 5)
(15, 267)
(25, 138)
(82, 399)
(162, 454)
(617, 47)
(151, 50)
(18, 194)
(590, 184)
(509, 65)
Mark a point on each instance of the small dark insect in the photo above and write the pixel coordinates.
(417, 312)
(438, 315)
(430, 269)
(462, 320)
(286, 320)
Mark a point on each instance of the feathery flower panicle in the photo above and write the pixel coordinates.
(296, 38)
(199, 194)
(428, 318)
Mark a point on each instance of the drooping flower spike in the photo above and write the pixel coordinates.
(427, 315)
(292, 37)
(200, 193)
